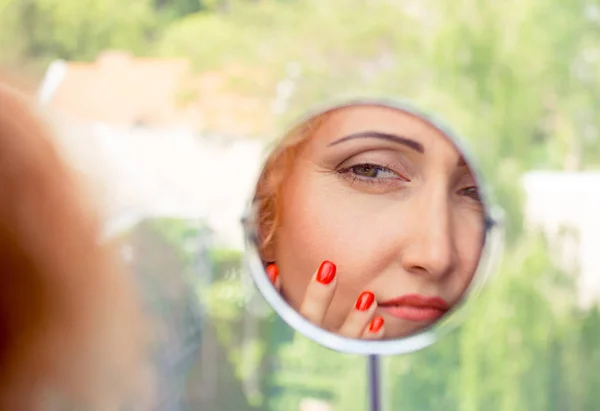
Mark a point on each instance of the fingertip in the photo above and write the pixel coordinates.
(365, 301)
(326, 273)
(272, 272)
(375, 330)
(376, 325)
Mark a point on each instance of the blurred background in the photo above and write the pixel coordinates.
(167, 106)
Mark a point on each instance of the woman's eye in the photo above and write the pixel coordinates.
(472, 192)
(373, 178)
(372, 171)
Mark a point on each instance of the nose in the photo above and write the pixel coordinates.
(429, 246)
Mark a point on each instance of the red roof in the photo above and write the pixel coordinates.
(122, 90)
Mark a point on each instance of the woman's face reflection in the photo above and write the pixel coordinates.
(387, 198)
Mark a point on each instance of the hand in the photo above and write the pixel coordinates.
(360, 322)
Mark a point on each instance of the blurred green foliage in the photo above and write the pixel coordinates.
(520, 80)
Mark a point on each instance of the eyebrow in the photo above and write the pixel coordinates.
(415, 145)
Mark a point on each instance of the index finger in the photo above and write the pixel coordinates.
(319, 293)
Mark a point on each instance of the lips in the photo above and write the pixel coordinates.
(415, 307)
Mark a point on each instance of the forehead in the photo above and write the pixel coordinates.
(358, 118)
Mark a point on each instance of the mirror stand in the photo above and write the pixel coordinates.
(374, 375)
(413, 320)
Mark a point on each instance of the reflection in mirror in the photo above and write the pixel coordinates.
(368, 221)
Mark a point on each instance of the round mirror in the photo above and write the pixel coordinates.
(369, 228)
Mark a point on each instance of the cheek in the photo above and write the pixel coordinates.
(326, 225)
(469, 240)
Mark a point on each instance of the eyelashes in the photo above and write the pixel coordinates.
(370, 173)
(384, 177)
(472, 192)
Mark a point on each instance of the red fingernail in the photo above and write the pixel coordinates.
(364, 301)
(376, 324)
(272, 272)
(326, 272)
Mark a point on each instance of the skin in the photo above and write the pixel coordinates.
(412, 224)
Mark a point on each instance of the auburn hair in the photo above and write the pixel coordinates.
(70, 327)
(274, 174)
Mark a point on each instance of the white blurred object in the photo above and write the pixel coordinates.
(52, 80)
(559, 200)
(310, 404)
(138, 173)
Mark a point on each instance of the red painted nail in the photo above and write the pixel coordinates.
(272, 272)
(376, 324)
(364, 301)
(326, 272)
